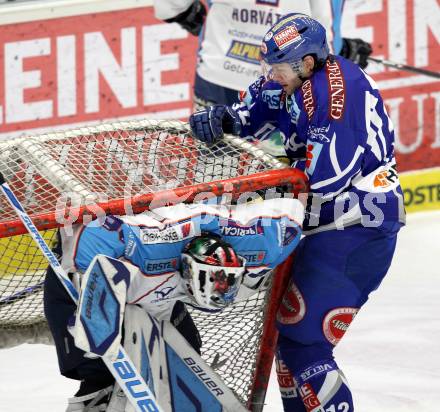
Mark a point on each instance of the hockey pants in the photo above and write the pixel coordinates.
(334, 273)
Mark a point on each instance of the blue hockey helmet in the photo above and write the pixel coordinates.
(293, 37)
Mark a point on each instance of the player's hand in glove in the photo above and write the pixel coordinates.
(356, 50)
(208, 125)
(191, 19)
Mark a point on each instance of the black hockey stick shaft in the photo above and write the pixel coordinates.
(21, 294)
(401, 66)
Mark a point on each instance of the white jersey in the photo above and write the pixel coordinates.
(234, 29)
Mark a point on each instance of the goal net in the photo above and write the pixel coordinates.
(121, 168)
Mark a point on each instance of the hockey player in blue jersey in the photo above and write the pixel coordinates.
(203, 255)
(227, 59)
(336, 129)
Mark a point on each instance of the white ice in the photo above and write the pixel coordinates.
(390, 355)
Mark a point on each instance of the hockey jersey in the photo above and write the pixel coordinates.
(263, 233)
(234, 29)
(336, 129)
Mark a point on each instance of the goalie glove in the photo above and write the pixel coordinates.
(356, 50)
(208, 125)
(191, 19)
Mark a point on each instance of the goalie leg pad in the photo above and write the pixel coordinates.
(174, 371)
(101, 307)
(58, 308)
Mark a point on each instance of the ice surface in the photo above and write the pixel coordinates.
(390, 355)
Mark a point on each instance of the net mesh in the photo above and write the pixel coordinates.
(231, 340)
(120, 161)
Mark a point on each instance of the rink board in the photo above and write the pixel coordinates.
(421, 189)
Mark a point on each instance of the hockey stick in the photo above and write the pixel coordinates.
(21, 294)
(123, 369)
(401, 66)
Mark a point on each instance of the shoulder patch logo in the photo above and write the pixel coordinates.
(336, 90)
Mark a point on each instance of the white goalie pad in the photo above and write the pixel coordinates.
(100, 312)
(176, 374)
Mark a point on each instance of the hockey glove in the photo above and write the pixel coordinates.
(208, 125)
(356, 50)
(191, 19)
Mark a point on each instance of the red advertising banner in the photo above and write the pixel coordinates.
(128, 64)
(404, 31)
(125, 63)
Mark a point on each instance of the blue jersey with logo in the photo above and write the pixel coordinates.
(264, 233)
(336, 129)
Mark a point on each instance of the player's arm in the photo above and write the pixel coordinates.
(98, 237)
(259, 105)
(280, 230)
(269, 232)
(189, 14)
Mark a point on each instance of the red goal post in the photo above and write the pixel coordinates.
(121, 168)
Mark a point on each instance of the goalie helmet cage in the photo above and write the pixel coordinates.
(126, 168)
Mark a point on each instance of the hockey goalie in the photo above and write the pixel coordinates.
(137, 275)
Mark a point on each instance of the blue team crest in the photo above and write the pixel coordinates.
(164, 292)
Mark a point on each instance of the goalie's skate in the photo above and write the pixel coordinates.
(92, 402)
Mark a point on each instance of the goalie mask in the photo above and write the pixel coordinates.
(212, 271)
